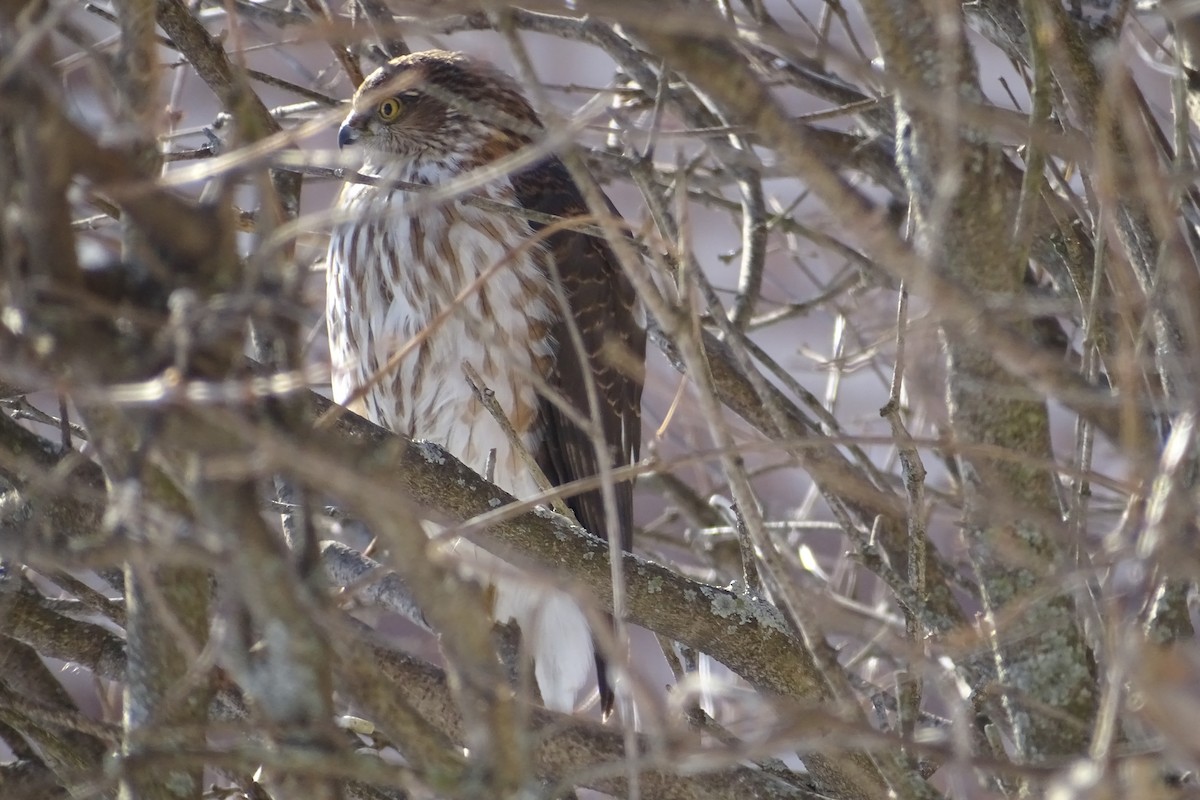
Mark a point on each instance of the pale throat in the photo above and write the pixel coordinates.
(427, 166)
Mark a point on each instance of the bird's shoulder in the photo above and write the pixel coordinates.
(547, 186)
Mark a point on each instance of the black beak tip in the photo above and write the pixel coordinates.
(346, 136)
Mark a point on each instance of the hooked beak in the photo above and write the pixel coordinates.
(348, 135)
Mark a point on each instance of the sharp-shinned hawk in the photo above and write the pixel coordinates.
(538, 317)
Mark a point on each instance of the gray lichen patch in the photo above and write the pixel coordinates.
(744, 608)
(432, 453)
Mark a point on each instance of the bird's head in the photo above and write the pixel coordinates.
(434, 105)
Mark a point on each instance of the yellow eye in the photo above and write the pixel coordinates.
(390, 109)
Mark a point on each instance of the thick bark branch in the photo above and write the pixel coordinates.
(964, 221)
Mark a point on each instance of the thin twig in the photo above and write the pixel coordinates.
(487, 398)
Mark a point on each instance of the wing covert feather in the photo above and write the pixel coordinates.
(604, 308)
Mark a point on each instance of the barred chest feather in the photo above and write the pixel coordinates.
(403, 265)
(467, 283)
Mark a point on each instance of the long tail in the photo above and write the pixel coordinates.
(608, 696)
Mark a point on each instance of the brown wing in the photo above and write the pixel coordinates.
(603, 304)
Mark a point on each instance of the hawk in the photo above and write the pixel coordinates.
(459, 285)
